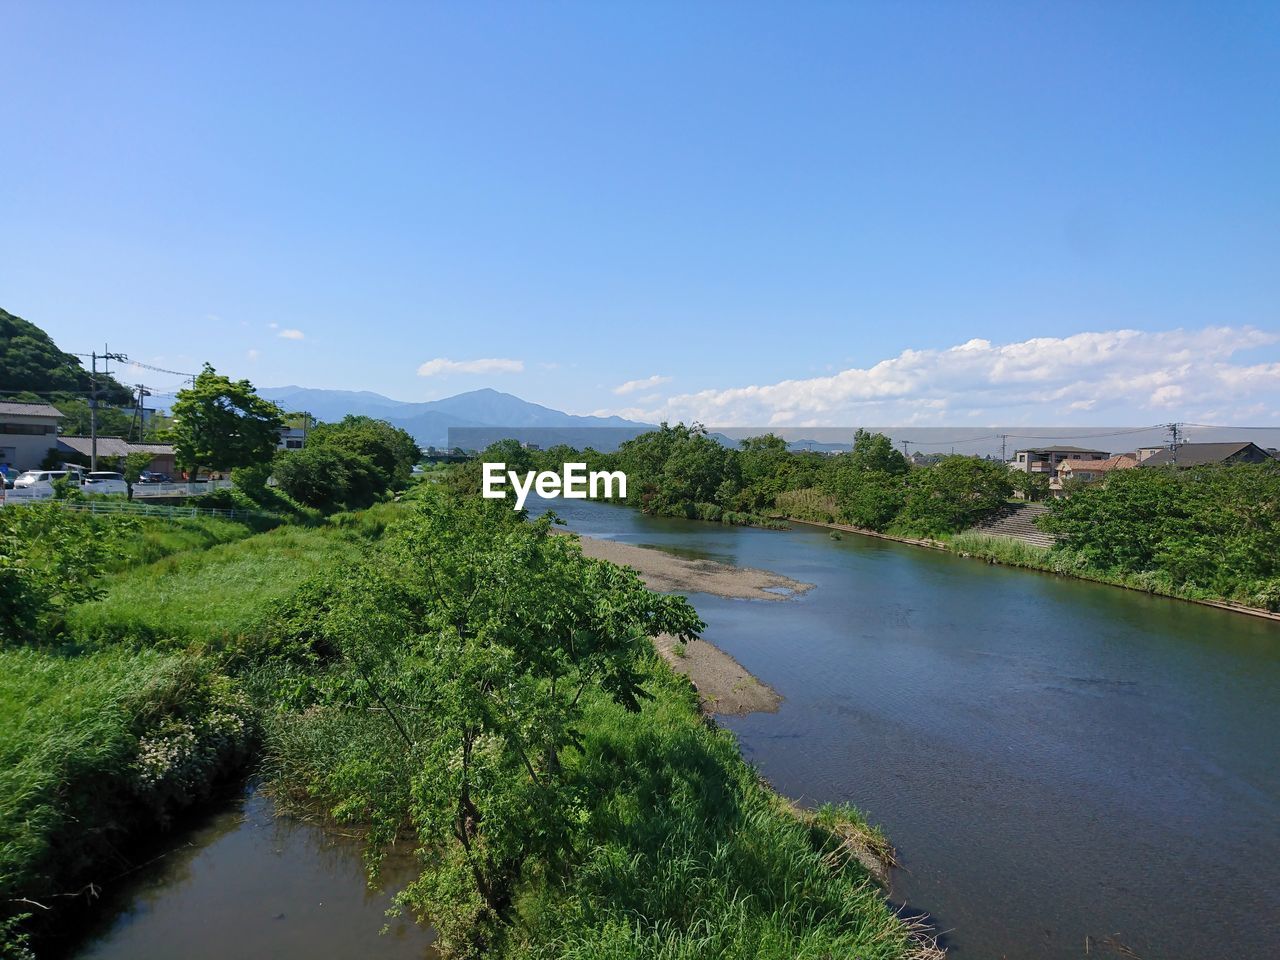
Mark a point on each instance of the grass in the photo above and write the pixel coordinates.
(86, 758)
(212, 596)
(687, 854)
(1006, 550)
(152, 539)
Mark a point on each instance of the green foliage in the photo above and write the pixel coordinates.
(31, 361)
(50, 558)
(328, 478)
(221, 424)
(1032, 486)
(98, 746)
(954, 495)
(476, 637)
(390, 450)
(1211, 529)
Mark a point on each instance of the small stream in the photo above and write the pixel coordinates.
(251, 885)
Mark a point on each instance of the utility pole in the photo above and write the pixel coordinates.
(905, 451)
(1004, 438)
(106, 357)
(1173, 441)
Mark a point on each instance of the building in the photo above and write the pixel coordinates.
(117, 448)
(1204, 454)
(28, 431)
(1086, 471)
(292, 438)
(1046, 459)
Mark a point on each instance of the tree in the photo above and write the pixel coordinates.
(392, 451)
(221, 424)
(956, 494)
(134, 464)
(475, 640)
(328, 478)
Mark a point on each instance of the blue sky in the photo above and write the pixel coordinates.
(861, 212)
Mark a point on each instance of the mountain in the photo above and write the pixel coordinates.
(477, 418)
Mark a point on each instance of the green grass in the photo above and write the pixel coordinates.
(71, 730)
(212, 596)
(1007, 550)
(154, 538)
(687, 854)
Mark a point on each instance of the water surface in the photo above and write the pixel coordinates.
(1054, 759)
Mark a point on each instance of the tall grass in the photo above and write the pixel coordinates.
(94, 746)
(1006, 550)
(212, 596)
(686, 854)
(148, 539)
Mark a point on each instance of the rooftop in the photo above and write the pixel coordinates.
(1059, 450)
(113, 446)
(1200, 454)
(29, 409)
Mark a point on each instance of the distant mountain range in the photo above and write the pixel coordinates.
(476, 418)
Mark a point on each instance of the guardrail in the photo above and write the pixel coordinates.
(132, 508)
(179, 489)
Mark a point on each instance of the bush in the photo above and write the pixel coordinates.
(328, 478)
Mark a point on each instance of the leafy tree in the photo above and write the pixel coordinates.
(476, 639)
(328, 478)
(1032, 486)
(221, 424)
(392, 451)
(956, 494)
(50, 558)
(134, 464)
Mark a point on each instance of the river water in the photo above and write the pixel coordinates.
(1054, 760)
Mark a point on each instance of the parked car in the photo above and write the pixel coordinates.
(104, 481)
(39, 483)
(154, 476)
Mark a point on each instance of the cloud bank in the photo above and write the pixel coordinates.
(443, 365)
(1111, 376)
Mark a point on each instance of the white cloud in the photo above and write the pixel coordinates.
(1112, 376)
(631, 386)
(291, 334)
(443, 365)
(253, 355)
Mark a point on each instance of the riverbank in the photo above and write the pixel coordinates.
(1027, 557)
(724, 686)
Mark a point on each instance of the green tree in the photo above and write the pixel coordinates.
(956, 494)
(476, 638)
(134, 464)
(392, 451)
(328, 478)
(220, 424)
(50, 558)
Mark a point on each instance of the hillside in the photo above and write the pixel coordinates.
(30, 362)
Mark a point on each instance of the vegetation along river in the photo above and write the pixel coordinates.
(1054, 760)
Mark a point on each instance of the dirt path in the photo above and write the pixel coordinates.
(725, 686)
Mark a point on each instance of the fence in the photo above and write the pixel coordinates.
(133, 508)
(141, 491)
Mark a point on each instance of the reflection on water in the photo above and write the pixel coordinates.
(253, 886)
(1054, 759)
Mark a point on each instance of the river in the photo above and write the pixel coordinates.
(1055, 760)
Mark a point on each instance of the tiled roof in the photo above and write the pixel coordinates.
(1199, 454)
(1058, 450)
(29, 409)
(1118, 462)
(114, 446)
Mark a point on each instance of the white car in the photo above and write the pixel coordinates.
(39, 483)
(104, 482)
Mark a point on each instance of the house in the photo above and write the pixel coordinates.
(28, 431)
(117, 448)
(1086, 471)
(1204, 454)
(292, 438)
(1046, 459)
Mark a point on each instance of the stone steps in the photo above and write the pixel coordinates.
(1018, 522)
